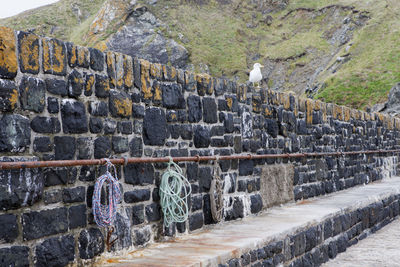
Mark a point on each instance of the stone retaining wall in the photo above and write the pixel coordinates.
(61, 101)
(316, 244)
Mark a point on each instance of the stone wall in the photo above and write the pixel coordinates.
(59, 101)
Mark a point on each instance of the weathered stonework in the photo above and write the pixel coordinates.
(8, 55)
(28, 45)
(112, 105)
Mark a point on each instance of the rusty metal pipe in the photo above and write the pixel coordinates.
(122, 161)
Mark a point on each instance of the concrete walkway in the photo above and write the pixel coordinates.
(381, 249)
(229, 240)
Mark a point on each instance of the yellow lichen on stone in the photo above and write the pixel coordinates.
(317, 105)
(145, 79)
(29, 53)
(119, 69)
(53, 56)
(46, 56)
(286, 101)
(323, 109)
(397, 123)
(157, 92)
(155, 70)
(74, 57)
(268, 112)
(83, 55)
(110, 61)
(229, 102)
(346, 112)
(337, 112)
(128, 71)
(8, 56)
(89, 83)
(242, 92)
(256, 103)
(309, 110)
(13, 99)
(123, 107)
(302, 104)
(58, 64)
(367, 116)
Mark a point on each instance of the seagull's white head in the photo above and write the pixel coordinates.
(257, 65)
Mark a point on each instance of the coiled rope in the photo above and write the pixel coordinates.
(174, 192)
(217, 194)
(104, 215)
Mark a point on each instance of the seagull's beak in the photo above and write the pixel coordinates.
(261, 66)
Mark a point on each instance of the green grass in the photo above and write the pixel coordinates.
(59, 14)
(374, 68)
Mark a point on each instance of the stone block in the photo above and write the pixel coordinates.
(77, 216)
(209, 110)
(194, 108)
(8, 55)
(28, 48)
(202, 137)
(15, 133)
(120, 104)
(72, 195)
(204, 84)
(95, 125)
(9, 230)
(154, 127)
(139, 174)
(196, 221)
(73, 115)
(190, 83)
(32, 94)
(76, 84)
(137, 195)
(14, 256)
(57, 251)
(128, 71)
(54, 57)
(49, 125)
(96, 59)
(57, 87)
(277, 184)
(153, 212)
(102, 86)
(172, 96)
(91, 243)
(8, 96)
(138, 214)
(102, 147)
(55, 220)
(64, 147)
(52, 105)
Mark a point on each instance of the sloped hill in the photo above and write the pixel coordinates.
(346, 53)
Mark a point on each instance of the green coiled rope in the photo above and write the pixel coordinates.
(174, 193)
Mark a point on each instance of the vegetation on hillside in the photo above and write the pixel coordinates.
(230, 38)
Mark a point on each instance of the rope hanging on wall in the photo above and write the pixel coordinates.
(104, 215)
(217, 194)
(174, 193)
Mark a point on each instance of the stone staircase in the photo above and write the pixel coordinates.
(306, 233)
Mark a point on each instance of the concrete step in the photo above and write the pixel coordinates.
(378, 250)
(305, 233)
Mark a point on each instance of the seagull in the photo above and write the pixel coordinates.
(255, 75)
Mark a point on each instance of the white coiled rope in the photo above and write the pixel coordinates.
(175, 190)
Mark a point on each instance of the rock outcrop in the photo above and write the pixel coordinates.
(135, 31)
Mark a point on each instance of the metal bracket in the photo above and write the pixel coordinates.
(108, 242)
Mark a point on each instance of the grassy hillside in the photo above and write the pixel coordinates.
(59, 20)
(230, 38)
